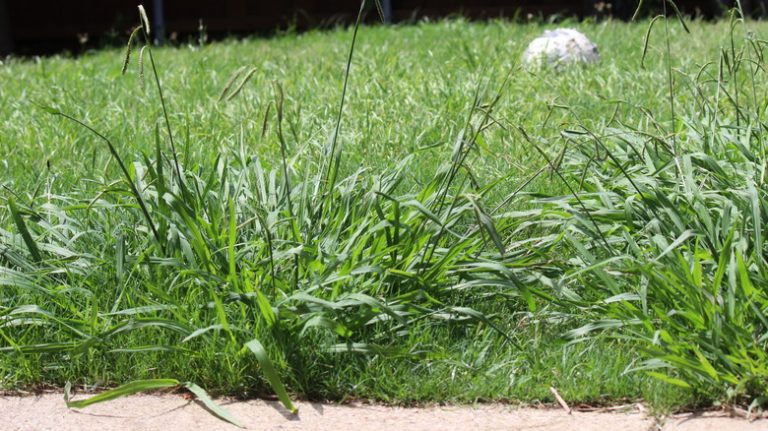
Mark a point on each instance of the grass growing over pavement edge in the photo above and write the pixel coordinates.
(630, 241)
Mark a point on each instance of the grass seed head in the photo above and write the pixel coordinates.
(144, 20)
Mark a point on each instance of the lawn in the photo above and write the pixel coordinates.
(474, 231)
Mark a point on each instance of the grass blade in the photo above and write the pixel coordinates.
(647, 39)
(271, 374)
(486, 222)
(120, 391)
(24, 231)
(211, 405)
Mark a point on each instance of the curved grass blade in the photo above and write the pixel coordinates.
(647, 39)
(679, 15)
(40, 348)
(486, 222)
(120, 391)
(211, 405)
(667, 379)
(271, 374)
(19, 220)
(202, 331)
(637, 10)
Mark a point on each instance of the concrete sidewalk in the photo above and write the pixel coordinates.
(173, 412)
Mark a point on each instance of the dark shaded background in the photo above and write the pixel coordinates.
(33, 27)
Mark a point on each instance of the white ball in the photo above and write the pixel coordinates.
(559, 47)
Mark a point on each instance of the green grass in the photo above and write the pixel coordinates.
(420, 274)
(410, 91)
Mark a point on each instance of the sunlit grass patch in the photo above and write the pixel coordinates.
(452, 228)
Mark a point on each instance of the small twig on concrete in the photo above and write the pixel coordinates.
(560, 399)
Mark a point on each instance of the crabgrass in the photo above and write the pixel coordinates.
(430, 251)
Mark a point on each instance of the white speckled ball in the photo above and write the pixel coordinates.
(559, 47)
